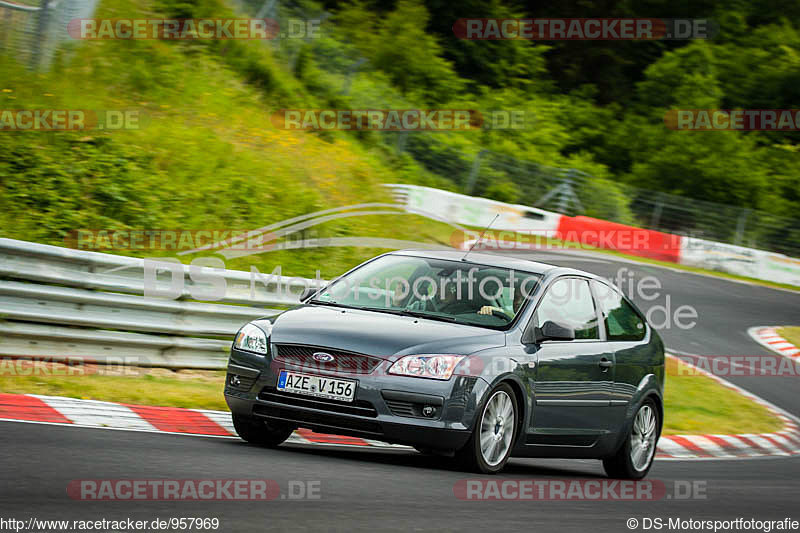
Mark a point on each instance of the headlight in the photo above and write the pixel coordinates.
(426, 366)
(251, 338)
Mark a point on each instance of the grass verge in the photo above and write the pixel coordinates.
(197, 389)
(694, 403)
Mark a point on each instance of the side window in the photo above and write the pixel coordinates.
(623, 323)
(568, 302)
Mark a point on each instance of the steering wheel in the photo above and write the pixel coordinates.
(501, 314)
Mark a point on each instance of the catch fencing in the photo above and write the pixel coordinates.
(32, 30)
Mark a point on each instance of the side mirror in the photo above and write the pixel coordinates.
(550, 331)
(307, 293)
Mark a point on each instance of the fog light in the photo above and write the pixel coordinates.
(234, 380)
(428, 410)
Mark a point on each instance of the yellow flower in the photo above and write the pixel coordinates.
(48, 94)
(8, 90)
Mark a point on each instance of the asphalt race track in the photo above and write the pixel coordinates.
(359, 489)
(401, 490)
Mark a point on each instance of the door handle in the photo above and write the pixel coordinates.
(605, 364)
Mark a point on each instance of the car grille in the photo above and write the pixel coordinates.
(358, 407)
(347, 362)
(318, 421)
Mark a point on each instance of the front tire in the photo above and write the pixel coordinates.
(490, 444)
(268, 434)
(635, 457)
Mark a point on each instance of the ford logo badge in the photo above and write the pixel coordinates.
(322, 357)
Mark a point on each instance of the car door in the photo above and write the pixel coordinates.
(573, 379)
(628, 336)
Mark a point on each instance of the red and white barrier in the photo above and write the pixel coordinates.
(627, 239)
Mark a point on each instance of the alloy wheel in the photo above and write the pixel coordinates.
(497, 428)
(643, 438)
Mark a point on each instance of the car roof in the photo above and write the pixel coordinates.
(493, 260)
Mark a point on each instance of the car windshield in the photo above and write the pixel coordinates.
(438, 289)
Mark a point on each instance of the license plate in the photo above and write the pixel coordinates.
(319, 386)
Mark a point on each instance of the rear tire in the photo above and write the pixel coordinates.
(489, 447)
(268, 434)
(634, 458)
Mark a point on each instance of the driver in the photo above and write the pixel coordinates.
(519, 298)
(453, 300)
(447, 296)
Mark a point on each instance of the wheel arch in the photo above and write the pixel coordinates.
(652, 395)
(522, 401)
(648, 389)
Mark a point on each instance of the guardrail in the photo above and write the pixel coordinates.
(59, 303)
(19, 7)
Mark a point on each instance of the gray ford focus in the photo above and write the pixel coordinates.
(480, 357)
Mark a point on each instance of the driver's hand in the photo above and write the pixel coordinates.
(486, 310)
(398, 295)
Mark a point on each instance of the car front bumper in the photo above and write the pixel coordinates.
(386, 407)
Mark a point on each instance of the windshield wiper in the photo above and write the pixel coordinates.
(402, 312)
(332, 304)
(423, 314)
(410, 312)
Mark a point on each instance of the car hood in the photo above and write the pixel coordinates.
(379, 334)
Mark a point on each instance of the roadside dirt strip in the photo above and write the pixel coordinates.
(109, 415)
